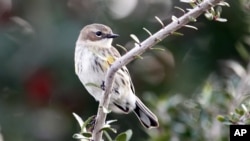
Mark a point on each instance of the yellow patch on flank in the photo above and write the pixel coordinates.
(110, 60)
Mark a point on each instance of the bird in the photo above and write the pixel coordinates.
(94, 54)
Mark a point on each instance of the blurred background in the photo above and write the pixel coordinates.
(198, 76)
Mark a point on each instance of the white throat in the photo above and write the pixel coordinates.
(101, 43)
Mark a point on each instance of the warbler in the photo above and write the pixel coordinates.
(94, 55)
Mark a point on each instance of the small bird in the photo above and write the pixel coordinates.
(94, 54)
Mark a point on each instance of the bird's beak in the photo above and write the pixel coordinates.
(112, 35)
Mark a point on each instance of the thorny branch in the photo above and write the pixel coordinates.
(138, 50)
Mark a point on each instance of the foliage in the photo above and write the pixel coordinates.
(85, 133)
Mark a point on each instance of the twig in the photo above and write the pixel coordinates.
(138, 50)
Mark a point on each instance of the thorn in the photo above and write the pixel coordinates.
(177, 33)
(212, 11)
(175, 19)
(188, 1)
(182, 10)
(147, 31)
(122, 47)
(157, 48)
(137, 41)
(189, 9)
(137, 44)
(160, 21)
(157, 40)
(190, 26)
(223, 3)
(138, 56)
(221, 20)
(192, 19)
(106, 110)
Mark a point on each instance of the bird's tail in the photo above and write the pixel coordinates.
(146, 117)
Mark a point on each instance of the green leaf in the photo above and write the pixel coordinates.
(79, 119)
(79, 136)
(90, 119)
(244, 108)
(221, 118)
(106, 134)
(243, 52)
(239, 111)
(107, 128)
(87, 134)
(124, 136)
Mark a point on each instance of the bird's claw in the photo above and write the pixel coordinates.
(103, 86)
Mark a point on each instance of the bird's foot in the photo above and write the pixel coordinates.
(103, 86)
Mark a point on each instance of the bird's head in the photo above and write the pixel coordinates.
(97, 34)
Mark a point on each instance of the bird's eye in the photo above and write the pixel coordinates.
(98, 33)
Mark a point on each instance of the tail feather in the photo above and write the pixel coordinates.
(146, 117)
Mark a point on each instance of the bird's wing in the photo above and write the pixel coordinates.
(124, 68)
(109, 58)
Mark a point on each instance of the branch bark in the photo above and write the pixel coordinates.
(138, 50)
